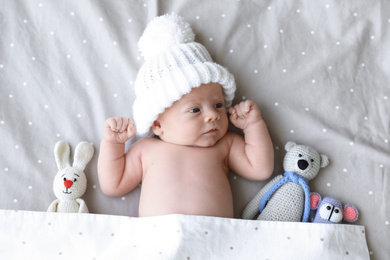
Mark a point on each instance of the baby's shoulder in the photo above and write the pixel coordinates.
(147, 142)
(142, 145)
(231, 139)
(143, 148)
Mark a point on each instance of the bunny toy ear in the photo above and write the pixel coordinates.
(61, 154)
(82, 155)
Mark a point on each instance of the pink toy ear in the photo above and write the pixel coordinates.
(350, 213)
(315, 200)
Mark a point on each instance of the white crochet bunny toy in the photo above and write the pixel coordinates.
(70, 182)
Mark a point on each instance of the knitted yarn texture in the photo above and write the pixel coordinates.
(174, 65)
(329, 210)
(287, 197)
(70, 182)
(295, 178)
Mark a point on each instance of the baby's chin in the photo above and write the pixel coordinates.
(206, 143)
(204, 146)
(205, 140)
(199, 143)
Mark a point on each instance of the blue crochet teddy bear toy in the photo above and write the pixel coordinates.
(287, 197)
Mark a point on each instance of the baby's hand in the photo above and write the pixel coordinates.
(119, 129)
(244, 114)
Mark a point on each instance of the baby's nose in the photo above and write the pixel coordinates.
(211, 116)
(68, 184)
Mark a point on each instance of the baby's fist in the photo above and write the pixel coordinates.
(119, 129)
(244, 114)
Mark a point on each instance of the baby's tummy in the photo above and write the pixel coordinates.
(186, 193)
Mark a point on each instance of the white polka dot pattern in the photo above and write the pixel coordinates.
(90, 236)
(319, 71)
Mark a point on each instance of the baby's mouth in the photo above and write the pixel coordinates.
(212, 131)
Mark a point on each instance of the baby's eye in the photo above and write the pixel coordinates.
(194, 110)
(218, 105)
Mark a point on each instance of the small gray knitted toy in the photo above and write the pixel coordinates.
(287, 197)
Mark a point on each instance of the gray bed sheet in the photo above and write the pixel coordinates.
(319, 71)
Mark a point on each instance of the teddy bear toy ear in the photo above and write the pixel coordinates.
(324, 161)
(289, 145)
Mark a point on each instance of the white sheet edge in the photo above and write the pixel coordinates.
(41, 235)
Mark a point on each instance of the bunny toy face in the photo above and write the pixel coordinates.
(69, 184)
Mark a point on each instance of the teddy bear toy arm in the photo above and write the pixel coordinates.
(70, 181)
(251, 211)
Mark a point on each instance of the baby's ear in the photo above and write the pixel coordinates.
(156, 127)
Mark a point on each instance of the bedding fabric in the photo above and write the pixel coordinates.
(318, 69)
(89, 236)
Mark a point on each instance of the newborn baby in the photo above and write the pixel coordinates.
(182, 97)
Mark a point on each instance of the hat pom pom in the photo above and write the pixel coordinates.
(162, 33)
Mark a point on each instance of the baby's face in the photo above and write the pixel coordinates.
(197, 119)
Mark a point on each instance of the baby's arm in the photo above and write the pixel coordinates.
(118, 172)
(252, 156)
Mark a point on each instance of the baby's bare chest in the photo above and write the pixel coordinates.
(186, 181)
(191, 162)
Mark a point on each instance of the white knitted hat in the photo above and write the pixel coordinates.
(174, 64)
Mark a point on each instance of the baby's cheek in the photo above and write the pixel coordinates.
(225, 122)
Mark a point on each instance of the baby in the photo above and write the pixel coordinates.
(181, 98)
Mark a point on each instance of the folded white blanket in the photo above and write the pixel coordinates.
(41, 235)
